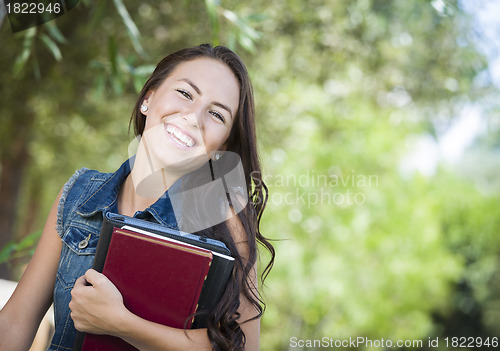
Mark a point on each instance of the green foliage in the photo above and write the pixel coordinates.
(132, 31)
(24, 248)
(26, 51)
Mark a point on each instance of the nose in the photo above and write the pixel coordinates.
(194, 114)
(194, 123)
(192, 120)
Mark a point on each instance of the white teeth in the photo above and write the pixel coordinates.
(188, 141)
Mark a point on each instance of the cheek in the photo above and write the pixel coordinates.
(147, 123)
(216, 137)
(167, 102)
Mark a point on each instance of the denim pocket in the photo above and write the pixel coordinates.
(77, 255)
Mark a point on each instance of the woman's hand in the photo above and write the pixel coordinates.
(96, 308)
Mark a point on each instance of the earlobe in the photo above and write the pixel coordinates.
(144, 106)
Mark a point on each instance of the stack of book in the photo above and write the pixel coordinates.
(165, 276)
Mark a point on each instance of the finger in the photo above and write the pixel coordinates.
(94, 277)
(82, 281)
(78, 288)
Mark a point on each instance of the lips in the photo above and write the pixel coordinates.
(179, 137)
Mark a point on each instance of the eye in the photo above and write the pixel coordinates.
(219, 116)
(185, 93)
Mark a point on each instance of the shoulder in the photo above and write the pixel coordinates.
(73, 190)
(81, 179)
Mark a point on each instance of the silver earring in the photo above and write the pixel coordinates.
(144, 108)
(217, 155)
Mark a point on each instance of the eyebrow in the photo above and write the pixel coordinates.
(198, 91)
(192, 85)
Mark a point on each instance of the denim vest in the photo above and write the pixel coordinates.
(85, 197)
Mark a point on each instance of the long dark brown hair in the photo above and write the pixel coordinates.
(224, 322)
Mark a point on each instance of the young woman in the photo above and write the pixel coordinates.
(196, 106)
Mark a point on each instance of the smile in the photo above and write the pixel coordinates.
(179, 137)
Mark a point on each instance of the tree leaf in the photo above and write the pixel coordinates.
(246, 43)
(26, 52)
(6, 252)
(113, 49)
(241, 24)
(133, 32)
(36, 67)
(231, 40)
(21, 60)
(143, 71)
(54, 32)
(212, 7)
(52, 46)
(29, 240)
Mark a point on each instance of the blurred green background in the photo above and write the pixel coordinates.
(379, 132)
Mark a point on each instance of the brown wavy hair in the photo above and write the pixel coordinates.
(223, 323)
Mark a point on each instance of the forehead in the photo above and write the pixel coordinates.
(202, 64)
(211, 76)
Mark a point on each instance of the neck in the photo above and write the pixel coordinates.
(149, 175)
(129, 201)
(137, 193)
(146, 183)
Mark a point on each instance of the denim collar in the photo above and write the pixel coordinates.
(104, 199)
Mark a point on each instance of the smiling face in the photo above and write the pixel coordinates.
(190, 115)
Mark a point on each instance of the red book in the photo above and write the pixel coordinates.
(160, 280)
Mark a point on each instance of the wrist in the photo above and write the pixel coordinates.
(121, 326)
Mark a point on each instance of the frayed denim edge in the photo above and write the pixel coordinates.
(62, 200)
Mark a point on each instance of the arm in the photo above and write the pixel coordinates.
(108, 315)
(19, 320)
